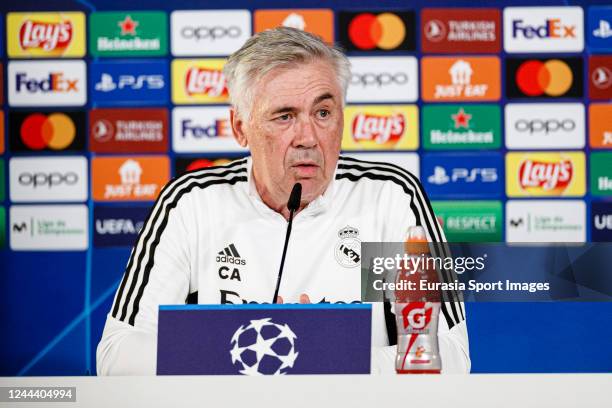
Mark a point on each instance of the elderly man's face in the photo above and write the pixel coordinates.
(294, 131)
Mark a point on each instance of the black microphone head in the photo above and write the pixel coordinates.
(295, 197)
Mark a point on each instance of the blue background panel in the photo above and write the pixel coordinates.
(53, 305)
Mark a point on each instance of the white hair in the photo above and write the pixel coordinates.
(278, 47)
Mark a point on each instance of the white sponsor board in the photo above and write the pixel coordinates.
(209, 33)
(407, 161)
(47, 83)
(48, 227)
(48, 179)
(543, 29)
(545, 126)
(203, 129)
(383, 79)
(545, 221)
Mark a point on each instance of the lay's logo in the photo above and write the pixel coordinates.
(378, 128)
(46, 34)
(545, 174)
(202, 81)
(199, 81)
(381, 128)
(554, 177)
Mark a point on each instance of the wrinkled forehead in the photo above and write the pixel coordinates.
(300, 84)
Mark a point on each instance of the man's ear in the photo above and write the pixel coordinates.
(238, 128)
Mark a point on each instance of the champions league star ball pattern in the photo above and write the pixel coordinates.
(263, 348)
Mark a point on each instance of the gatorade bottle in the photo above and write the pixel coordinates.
(416, 312)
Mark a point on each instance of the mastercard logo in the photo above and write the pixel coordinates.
(552, 78)
(368, 31)
(55, 131)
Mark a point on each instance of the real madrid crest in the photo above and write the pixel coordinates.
(348, 249)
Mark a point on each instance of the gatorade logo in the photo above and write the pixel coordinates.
(416, 316)
(55, 131)
(383, 31)
(553, 78)
(544, 78)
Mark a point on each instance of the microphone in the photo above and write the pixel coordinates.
(292, 205)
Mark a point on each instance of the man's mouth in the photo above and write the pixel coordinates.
(305, 169)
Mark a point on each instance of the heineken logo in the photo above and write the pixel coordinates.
(461, 127)
(128, 34)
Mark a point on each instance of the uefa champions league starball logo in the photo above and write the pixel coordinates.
(263, 348)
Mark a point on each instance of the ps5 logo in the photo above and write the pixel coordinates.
(462, 174)
(134, 82)
(603, 31)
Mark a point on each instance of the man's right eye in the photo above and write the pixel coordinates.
(284, 117)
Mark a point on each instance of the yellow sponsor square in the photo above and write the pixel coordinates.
(550, 174)
(199, 81)
(377, 127)
(45, 35)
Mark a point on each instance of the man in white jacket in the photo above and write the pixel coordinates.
(216, 235)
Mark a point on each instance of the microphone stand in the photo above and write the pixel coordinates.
(292, 205)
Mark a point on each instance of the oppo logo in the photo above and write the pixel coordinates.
(48, 179)
(213, 33)
(546, 126)
(382, 79)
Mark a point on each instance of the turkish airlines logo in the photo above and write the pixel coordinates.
(47, 83)
(600, 72)
(134, 130)
(475, 30)
(461, 79)
(543, 29)
(47, 36)
(550, 78)
(383, 31)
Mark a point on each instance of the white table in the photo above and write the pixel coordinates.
(451, 391)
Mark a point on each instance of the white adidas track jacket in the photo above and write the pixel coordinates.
(211, 237)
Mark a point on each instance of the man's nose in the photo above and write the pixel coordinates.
(305, 134)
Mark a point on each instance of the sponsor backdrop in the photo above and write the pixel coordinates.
(503, 111)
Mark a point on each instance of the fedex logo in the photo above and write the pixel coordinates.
(203, 129)
(55, 82)
(218, 128)
(552, 28)
(47, 83)
(543, 29)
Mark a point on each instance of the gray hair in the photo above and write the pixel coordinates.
(279, 47)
